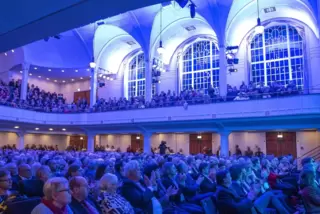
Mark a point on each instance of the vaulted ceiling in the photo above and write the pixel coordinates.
(126, 26)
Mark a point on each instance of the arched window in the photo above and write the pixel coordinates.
(136, 77)
(277, 55)
(200, 66)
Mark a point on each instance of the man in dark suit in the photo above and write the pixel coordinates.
(24, 173)
(171, 178)
(228, 201)
(81, 203)
(140, 195)
(207, 185)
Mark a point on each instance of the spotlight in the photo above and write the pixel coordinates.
(192, 10)
(233, 70)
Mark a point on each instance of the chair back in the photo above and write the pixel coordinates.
(24, 206)
(31, 188)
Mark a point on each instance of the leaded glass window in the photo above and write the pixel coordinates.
(136, 78)
(200, 66)
(277, 55)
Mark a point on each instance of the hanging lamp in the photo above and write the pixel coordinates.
(161, 49)
(259, 29)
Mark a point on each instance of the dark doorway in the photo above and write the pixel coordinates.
(200, 142)
(137, 142)
(281, 143)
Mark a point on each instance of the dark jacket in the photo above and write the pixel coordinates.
(78, 208)
(208, 185)
(228, 201)
(167, 182)
(311, 199)
(136, 196)
(238, 189)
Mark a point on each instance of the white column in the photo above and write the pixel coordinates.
(224, 143)
(223, 71)
(90, 146)
(20, 145)
(147, 142)
(24, 81)
(148, 78)
(93, 87)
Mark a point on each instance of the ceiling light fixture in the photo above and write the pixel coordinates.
(72, 80)
(39, 76)
(81, 138)
(78, 89)
(5, 54)
(259, 29)
(161, 49)
(55, 80)
(62, 71)
(51, 129)
(12, 51)
(76, 70)
(81, 78)
(30, 74)
(16, 127)
(63, 129)
(63, 81)
(48, 79)
(35, 68)
(21, 72)
(49, 69)
(36, 129)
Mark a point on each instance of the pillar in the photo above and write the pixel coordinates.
(223, 71)
(224, 143)
(147, 142)
(148, 76)
(20, 145)
(93, 87)
(24, 81)
(90, 146)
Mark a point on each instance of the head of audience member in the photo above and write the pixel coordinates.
(24, 171)
(56, 192)
(204, 169)
(132, 170)
(53, 164)
(43, 173)
(34, 168)
(169, 170)
(109, 183)
(237, 172)
(151, 167)
(74, 170)
(119, 167)
(307, 160)
(182, 167)
(223, 178)
(256, 163)
(12, 168)
(5, 182)
(101, 170)
(79, 188)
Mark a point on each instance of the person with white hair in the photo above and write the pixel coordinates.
(56, 197)
(140, 194)
(109, 200)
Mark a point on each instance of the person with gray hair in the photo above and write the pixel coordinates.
(56, 197)
(140, 194)
(109, 200)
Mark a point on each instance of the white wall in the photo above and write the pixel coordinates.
(245, 139)
(306, 141)
(122, 141)
(68, 89)
(49, 140)
(174, 140)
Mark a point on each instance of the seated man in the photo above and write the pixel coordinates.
(140, 195)
(171, 178)
(228, 201)
(80, 202)
(261, 201)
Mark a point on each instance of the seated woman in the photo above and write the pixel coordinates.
(56, 197)
(109, 200)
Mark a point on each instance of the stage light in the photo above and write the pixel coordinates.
(192, 10)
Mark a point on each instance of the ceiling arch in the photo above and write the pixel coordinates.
(243, 16)
(177, 26)
(111, 45)
(66, 52)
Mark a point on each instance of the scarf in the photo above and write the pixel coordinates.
(53, 208)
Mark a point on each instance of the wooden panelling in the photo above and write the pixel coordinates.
(281, 146)
(197, 146)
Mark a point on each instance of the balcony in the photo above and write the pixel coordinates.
(282, 106)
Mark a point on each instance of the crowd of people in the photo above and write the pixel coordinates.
(40, 100)
(110, 182)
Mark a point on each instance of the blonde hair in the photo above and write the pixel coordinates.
(53, 185)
